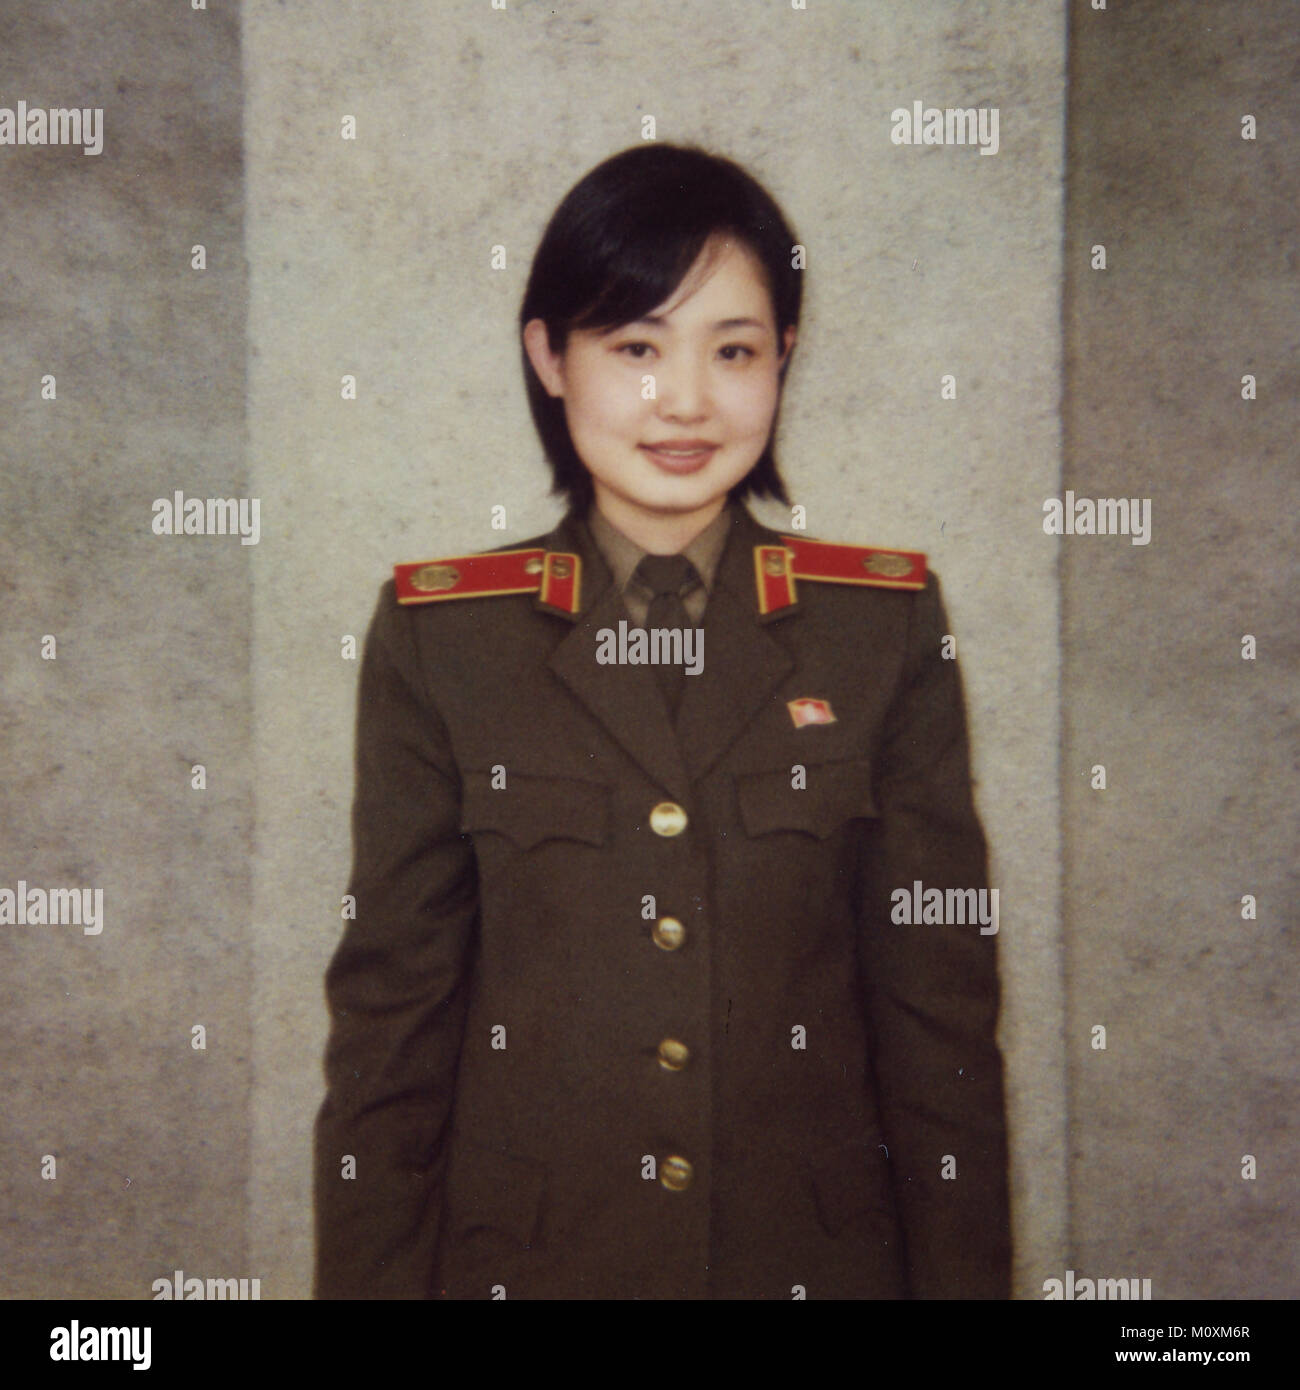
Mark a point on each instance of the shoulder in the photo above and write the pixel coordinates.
(417, 627)
(789, 567)
(871, 566)
(534, 567)
(483, 574)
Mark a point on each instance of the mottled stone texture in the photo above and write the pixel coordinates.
(1200, 747)
(150, 1137)
(372, 257)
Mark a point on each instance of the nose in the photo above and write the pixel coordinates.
(681, 389)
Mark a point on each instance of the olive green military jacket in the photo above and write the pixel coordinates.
(623, 1012)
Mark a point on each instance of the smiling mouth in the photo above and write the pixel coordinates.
(681, 456)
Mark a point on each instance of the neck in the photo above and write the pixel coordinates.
(666, 533)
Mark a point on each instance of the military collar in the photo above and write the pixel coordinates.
(568, 574)
(624, 555)
(572, 541)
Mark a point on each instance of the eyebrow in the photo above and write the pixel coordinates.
(657, 321)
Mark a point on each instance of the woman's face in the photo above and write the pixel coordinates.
(669, 412)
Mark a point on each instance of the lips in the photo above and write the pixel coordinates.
(680, 455)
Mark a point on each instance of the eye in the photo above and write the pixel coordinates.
(634, 350)
(733, 348)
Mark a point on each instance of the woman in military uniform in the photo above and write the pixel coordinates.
(627, 1009)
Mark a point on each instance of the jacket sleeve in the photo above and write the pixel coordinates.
(395, 987)
(932, 990)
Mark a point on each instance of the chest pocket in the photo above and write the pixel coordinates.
(834, 793)
(529, 810)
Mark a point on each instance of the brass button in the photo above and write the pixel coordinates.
(673, 1055)
(429, 579)
(891, 566)
(675, 1173)
(668, 933)
(668, 819)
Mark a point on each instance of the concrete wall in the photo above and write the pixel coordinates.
(151, 671)
(1199, 290)
(370, 257)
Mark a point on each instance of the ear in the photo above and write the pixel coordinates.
(548, 365)
(791, 334)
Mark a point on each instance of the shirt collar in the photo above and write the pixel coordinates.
(623, 555)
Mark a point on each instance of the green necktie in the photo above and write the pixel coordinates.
(668, 577)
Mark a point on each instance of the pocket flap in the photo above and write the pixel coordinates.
(531, 809)
(834, 793)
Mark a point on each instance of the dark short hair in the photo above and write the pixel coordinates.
(620, 244)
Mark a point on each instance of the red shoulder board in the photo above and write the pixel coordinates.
(553, 574)
(775, 579)
(856, 564)
(561, 578)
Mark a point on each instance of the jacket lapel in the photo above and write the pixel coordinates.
(743, 663)
(625, 698)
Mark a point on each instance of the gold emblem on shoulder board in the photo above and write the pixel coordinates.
(433, 578)
(533, 566)
(887, 566)
(561, 568)
(774, 565)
